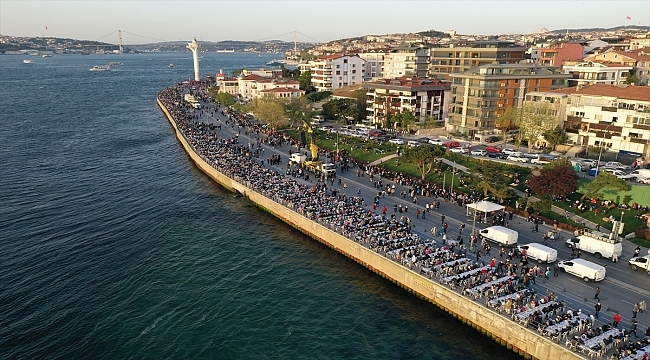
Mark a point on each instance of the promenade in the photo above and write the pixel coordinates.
(361, 209)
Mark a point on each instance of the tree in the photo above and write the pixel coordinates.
(555, 179)
(492, 178)
(360, 98)
(507, 120)
(555, 137)
(298, 110)
(270, 111)
(225, 99)
(631, 78)
(423, 157)
(305, 81)
(405, 119)
(542, 205)
(535, 119)
(604, 180)
(341, 107)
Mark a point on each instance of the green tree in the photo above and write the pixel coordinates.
(360, 97)
(544, 204)
(269, 111)
(631, 78)
(225, 99)
(298, 110)
(555, 179)
(535, 119)
(336, 108)
(604, 180)
(305, 81)
(555, 137)
(405, 119)
(507, 120)
(423, 157)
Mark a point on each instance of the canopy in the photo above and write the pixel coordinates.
(485, 207)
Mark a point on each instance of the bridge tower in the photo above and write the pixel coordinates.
(194, 46)
(119, 37)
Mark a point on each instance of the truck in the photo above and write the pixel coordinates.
(192, 100)
(597, 243)
(584, 269)
(297, 158)
(539, 252)
(642, 262)
(500, 235)
(318, 167)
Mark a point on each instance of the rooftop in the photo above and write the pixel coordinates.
(630, 92)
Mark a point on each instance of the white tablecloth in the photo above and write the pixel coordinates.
(559, 326)
(590, 343)
(464, 274)
(639, 354)
(527, 313)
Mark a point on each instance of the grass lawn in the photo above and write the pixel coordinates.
(641, 242)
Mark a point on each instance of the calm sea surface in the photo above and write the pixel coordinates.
(114, 246)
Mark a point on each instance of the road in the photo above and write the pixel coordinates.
(619, 291)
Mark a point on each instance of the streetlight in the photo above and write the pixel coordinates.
(601, 147)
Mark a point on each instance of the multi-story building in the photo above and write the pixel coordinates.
(268, 72)
(255, 86)
(405, 60)
(640, 43)
(458, 57)
(228, 85)
(613, 117)
(592, 72)
(373, 63)
(556, 53)
(639, 59)
(479, 95)
(425, 98)
(331, 72)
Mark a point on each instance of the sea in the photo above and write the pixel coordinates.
(113, 245)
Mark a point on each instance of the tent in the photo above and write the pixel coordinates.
(484, 207)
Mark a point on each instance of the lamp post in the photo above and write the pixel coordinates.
(471, 238)
(600, 154)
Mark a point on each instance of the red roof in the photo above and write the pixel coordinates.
(631, 92)
(282, 90)
(254, 77)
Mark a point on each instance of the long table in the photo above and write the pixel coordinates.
(449, 279)
(525, 314)
(524, 293)
(589, 344)
(639, 354)
(553, 329)
(478, 289)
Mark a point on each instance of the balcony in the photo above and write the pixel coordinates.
(609, 108)
(641, 127)
(574, 119)
(572, 131)
(638, 140)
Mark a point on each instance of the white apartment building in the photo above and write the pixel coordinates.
(425, 98)
(334, 71)
(640, 43)
(614, 117)
(591, 72)
(254, 86)
(639, 60)
(406, 60)
(373, 64)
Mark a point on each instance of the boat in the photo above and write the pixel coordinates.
(171, 65)
(115, 64)
(26, 61)
(47, 55)
(226, 51)
(100, 68)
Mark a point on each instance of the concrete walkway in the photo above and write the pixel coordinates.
(383, 160)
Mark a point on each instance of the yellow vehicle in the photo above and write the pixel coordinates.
(313, 164)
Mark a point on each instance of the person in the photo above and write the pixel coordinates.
(556, 270)
(637, 251)
(642, 306)
(548, 272)
(635, 310)
(633, 328)
(597, 295)
(536, 227)
(617, 319)
(597, 307)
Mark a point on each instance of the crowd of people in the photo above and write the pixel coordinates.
(371, 227)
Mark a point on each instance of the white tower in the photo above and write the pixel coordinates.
(194, 46)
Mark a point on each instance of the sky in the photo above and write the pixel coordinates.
(314, 21)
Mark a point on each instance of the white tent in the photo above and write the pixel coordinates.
(484, 207)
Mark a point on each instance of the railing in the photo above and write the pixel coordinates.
(609, 108)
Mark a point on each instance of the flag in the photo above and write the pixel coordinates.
(628, 18)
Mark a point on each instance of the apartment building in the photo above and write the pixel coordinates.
(458, 57)
(592, 72)
(614, 117)
(557, 53)
(638, 59)
(479, 95)
(405, 60)
(331, 72)
(640, 43)
(425, 98)
(373, 63)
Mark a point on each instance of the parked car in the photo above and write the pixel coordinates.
(413, 143)
(396, 141)
(491, 139)
(616, 165)
(542, 159)
(458, 149)
(435, 142)
(619, 174)
(589, 162)
(423, 140)
(496, 155)
(452, 144)
(517, 158)
(509, 151)
(478, 152)
(493, 149)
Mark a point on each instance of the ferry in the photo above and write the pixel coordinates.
(26, 61)
(47, 55)
(226, 51)
(100, 68)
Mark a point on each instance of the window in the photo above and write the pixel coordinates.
(598, 117)
(354, 65)
(338, 66)
(345, 61)
(338, 72)
(354, 71)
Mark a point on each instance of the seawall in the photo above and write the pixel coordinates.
(514, 336)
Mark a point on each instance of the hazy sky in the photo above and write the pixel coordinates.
(153, 21)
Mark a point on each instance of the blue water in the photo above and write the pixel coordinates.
(114, 246)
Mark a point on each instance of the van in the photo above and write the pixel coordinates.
(584, 269)
(640, 174)
(318, 118)
(500, 235)
(596, 243)
(540, 253)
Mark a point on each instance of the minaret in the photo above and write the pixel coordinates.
(194, 46)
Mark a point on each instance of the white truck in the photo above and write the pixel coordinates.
(642, 262)
(297, 158)
(500, 235)
(597, 243)
(584, 269)
(543, 254)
